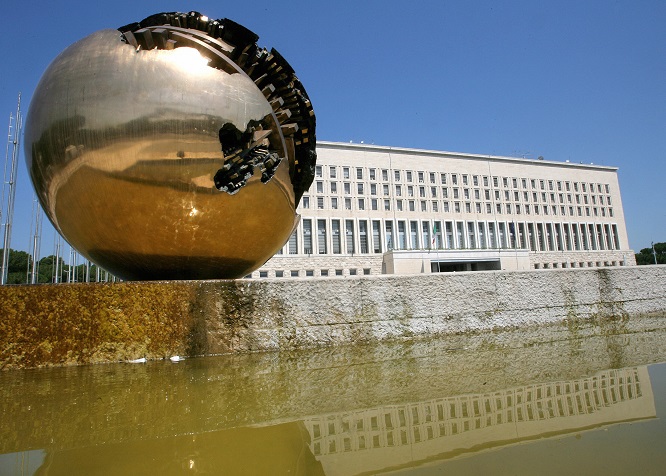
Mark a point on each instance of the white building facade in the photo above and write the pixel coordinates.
(386, 210)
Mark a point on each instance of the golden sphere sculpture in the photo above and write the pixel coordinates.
(172, 148)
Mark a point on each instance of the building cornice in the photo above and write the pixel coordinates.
(458, 155)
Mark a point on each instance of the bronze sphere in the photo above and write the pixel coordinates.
(172, 148)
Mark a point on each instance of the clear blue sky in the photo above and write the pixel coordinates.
(567, 80)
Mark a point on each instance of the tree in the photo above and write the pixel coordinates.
(646, 256)
(18, 264)
(47, 267)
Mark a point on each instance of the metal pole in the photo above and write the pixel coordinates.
(654, 253)
(11, 182)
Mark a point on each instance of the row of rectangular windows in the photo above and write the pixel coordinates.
(338, 236)
(506, 182)
(467, 193)
(460, 207)
(416, 422)
(295, 273)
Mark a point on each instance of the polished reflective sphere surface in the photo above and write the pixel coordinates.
(172, 148)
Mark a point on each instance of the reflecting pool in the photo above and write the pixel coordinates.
(509, 403)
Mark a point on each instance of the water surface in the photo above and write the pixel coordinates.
(510, 403)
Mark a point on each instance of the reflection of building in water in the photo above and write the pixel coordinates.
(390, 436)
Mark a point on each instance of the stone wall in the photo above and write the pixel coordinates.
(86, 323)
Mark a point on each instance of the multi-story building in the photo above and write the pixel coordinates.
(378, 210)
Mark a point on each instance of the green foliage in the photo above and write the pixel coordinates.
(20, 265)
(645, 256)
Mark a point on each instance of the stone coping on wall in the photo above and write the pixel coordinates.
(87, 323)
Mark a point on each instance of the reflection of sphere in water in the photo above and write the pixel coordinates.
(173, 148)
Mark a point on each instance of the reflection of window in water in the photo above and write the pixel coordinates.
(558, 406)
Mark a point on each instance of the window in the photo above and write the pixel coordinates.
(359, 188)
(366, 271)
(398, 190)
(409, 175)
(294, 273)
(345, 173)
(320, 187)
(347, 186)
(320, 202)
(334, 187)
(387, 205)
(373, 189)
(321, 237)
(363, 235)
(389, 234)
(420, 177)
(361, 203)
(432, 177)
(373, 204)
(397, 175)
(443, 178)
(434, 206)
(385, 175)
(293, 243)
(318, 171)
(332, 172)
(385, 189)
(309, 272)
(335, 237)
(279, 274)
(263, 274)
(305, 203)
(376, 236)
(349, 235)
(464, 179)
(352, 272)
(338, 272)
(359, 173)
(307, 236)
(334, 203)
(371, 172)
(347, 203)
(475, 180)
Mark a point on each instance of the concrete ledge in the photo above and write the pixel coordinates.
(88, 323)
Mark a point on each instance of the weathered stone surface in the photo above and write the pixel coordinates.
(87, 323)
